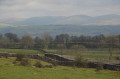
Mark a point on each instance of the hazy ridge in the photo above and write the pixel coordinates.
(59, 29)
(72, 25)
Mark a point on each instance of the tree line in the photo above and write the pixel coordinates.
(46, 41)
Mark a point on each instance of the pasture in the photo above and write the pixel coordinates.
(10, 71)
(101, 54)
(22, 51)
(91, 54)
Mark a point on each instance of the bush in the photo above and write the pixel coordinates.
(25, 62)
(118, 69)
(117, 58)
(54, 63)
(14, 62)
(5, 56)
(99, 67)
(48, 66)
(74, 66)
(19, 57)
(80, 62)
(38, 64)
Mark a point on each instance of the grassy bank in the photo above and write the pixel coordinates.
(11, 71)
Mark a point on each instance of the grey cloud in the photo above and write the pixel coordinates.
(30, 8)
(59, 2)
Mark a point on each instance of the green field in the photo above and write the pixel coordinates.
(88, 55)
(23, 51)
(11, 71)
(94, 55)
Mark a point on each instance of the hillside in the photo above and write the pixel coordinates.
(58, 29)
(110, 19)
(72, 25)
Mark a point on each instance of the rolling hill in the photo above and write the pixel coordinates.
(72, 25)
(111, 19)
(59, 29)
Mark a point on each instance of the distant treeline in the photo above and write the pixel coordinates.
(46, 41)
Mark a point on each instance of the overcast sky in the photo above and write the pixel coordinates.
(34, 8)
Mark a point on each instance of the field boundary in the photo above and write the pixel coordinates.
(66, 63)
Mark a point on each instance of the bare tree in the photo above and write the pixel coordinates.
(11, 37)
(78, 49)
(1, 36)
(26, 41)
(111, 42)
(1, 41)
(47, 38)
(62, 38)
(61, 48)
(38, 42)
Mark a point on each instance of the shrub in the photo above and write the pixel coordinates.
(25, 62)
(38, 64)
(19, 57)
(117, 58)
(74, 67)
(99, 67)
(54, 63)
(5, 56)
(118, 69)
(48, 66)
(14, 62)
(80, 62)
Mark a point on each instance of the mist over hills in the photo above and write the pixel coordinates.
(54, 30)
(72, 25)
(111, 19)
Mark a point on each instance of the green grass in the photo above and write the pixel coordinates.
(23, 51)
(88, 55)
(10, 71)
(52, 51)
(101, 56)
(9, 61)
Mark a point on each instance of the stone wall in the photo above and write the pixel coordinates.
(67, 62)
(57, 57)
(105, 66)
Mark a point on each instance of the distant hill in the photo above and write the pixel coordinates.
(72, 20)
(60, 29)
(4, 25)
(73, 25)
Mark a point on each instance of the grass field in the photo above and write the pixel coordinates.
(23, 51)
(94, 54)
(11, 71)
(86, 55)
